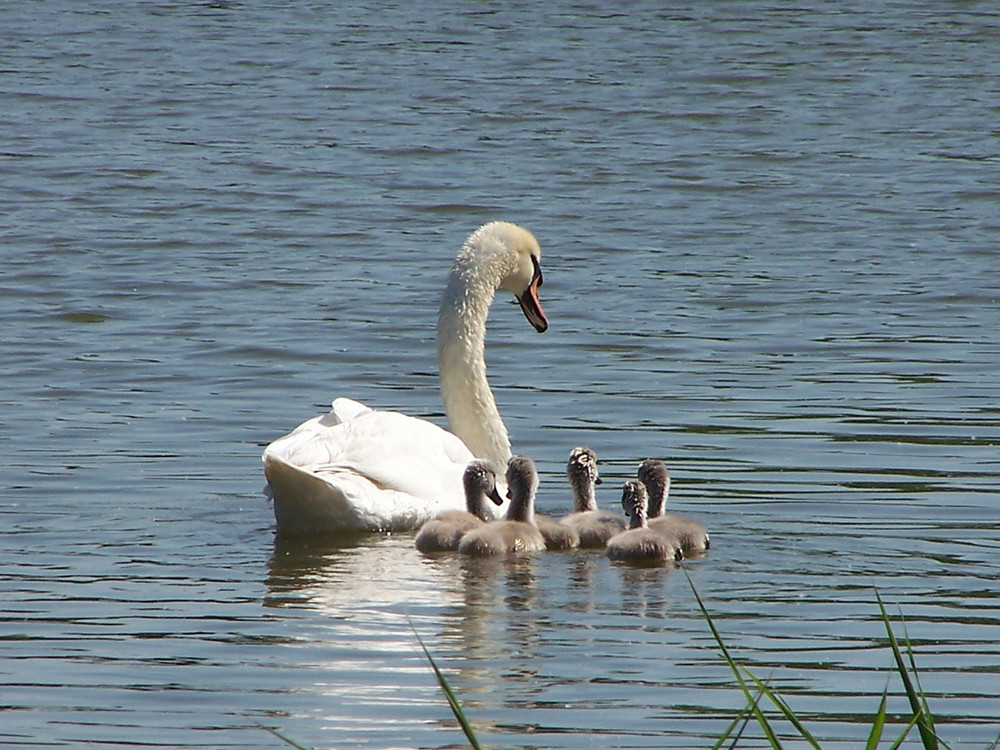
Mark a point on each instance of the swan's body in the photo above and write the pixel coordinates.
(443, 532)
(356, 469)
(593, 526)
(517, 532)
(639, 543)
(686, 533)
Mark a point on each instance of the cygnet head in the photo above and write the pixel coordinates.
(635, 500)
(522, 483)
(480, 483)
(653, 474)
(581, 470)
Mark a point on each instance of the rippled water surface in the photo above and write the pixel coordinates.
(770, 240)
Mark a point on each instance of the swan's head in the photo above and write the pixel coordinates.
(514, 255)
(581, 469)
(480, 482)
(634, 502)
(526, 276)
(653, 474)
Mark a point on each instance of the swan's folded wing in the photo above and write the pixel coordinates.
(401, 453)
(344, 410)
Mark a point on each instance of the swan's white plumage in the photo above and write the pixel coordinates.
(376, 470)
(357, 469)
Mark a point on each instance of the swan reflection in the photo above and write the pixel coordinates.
(484, 620)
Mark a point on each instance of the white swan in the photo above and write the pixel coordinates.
(358, 469)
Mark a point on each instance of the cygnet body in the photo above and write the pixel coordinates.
(443, 532)
(688, 534)
(593, 526)
(557, 534)
(640, 544)
(517, 532)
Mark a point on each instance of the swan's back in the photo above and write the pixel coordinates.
(444, 532)
(687, 533)
(642, 546)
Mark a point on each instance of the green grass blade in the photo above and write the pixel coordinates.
(875, 736)
(906, 731)
(785, 709)
(456, 707)
(917, 705)
(744, 717)
(283, 738)
(928, 717)
(755, 707)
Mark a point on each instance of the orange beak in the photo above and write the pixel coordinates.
(530, 304)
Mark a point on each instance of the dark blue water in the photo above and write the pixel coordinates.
(769, 243)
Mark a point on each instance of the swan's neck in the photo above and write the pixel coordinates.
(475, 500)
(638, 518)
(657, 487)
(481, 510)
(522, 508)
(656, 498)
(461, 335)
(583, 494)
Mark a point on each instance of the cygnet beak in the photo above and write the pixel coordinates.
(495, 496)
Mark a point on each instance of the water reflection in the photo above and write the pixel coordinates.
(354, 572)
(582, 570)
(482, 613)
(643, 590)
(378, 571)
(298, 562)
(564, 634)
(337, 573)
(385, 574)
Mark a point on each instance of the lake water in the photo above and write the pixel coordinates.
(770, 243)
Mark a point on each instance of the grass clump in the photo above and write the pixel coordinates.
(906, 668)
